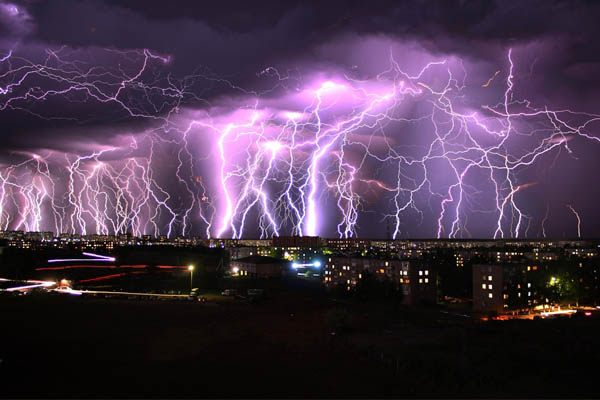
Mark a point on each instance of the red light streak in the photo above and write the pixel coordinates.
(100, 278)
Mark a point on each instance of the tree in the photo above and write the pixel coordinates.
(276, 253)
(370, 288)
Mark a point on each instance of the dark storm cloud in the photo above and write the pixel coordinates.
(557, 52)
(237, 39)
(306, 24)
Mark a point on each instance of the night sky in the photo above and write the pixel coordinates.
(348, 118)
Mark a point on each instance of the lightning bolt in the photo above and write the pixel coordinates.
(291, 158)
(570, 207)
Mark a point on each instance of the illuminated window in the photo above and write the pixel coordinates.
(490, 295)
(420, 280)
(426, 272)
(359, 276)
(528, 268)
(483, 277)
(382, 271)
(420, 273)
(426, 280)
(528, 284)
(489, 277)
(490, 286)
(528, 293)
(386, 263)
(505, 296)
(483, 286)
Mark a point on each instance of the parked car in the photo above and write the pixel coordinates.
(195, 295)
(229, 292)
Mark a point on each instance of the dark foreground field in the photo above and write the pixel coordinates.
(75, 347)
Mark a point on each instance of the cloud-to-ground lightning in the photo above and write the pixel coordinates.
(305, 161)
(570, 207)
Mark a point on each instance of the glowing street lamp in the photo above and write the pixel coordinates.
(191, 269)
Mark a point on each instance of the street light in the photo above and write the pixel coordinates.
(191, 269)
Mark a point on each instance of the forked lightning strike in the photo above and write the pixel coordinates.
(306, 162)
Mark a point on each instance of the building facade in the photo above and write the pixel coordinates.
(258, 266)
(416, 279)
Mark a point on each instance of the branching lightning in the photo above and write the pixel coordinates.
(334, 150)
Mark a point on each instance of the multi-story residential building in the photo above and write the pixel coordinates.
(385, 246)
(544, 255)
(511, 287)
(416, 279)
(412, 253)
(246, 251)
(255, 242)
(507, 255)
(589, 282)
(582, 252)
(239, 243)
(297, 241)
(347, 245)
(488, 285)
(300, 249)
(258, 266)
(460, 257)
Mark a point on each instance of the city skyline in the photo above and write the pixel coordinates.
(348, 127)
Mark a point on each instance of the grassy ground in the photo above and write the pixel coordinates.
(69, 347)
(282, 347)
